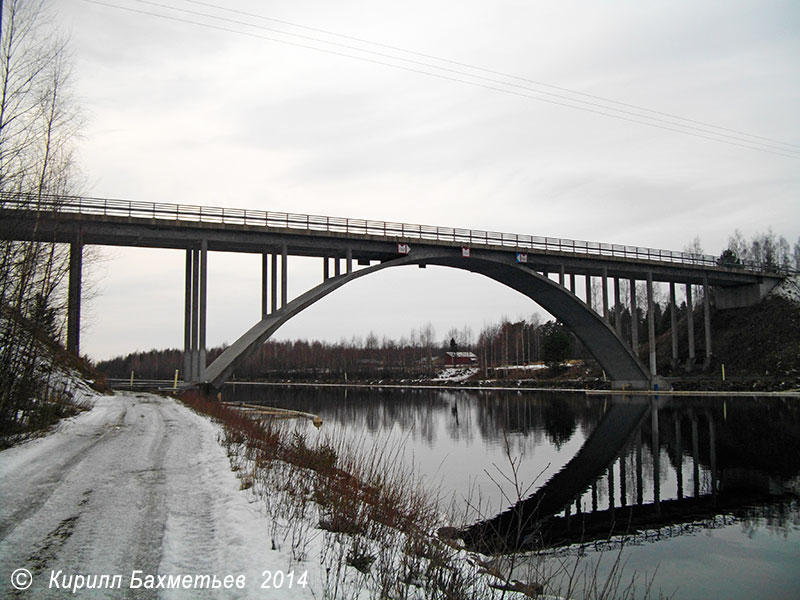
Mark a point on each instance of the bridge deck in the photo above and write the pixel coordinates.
(104, 221)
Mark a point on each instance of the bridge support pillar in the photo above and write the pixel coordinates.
(284, 275)
(187, 318)
(651, 325)
(201, 337)
(349, 262)
(274, 283)
(690, 326)
(572, 282)
(707, 320)
(74, 297)
(673, 323)
(561, 276)
(634, 319)
(337, 267)
(589, 291)
(605, 294)
(264, 284)
(617, 307)
(194, 336)
(195, 370)
(326, 271)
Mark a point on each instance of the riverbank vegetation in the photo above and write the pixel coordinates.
(372, 527)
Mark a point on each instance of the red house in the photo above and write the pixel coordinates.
(463, 359)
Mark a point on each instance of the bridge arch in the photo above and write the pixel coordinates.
(611, 352)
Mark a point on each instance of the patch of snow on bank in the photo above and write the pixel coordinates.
(789, 289)
(455, 374)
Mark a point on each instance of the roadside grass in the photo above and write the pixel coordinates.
(374, 530)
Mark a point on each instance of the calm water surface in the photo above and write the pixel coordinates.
(713, 511)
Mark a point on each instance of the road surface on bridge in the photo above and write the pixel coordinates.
(138, 482)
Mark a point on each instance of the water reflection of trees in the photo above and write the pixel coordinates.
(424, 413)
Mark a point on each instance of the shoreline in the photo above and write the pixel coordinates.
(480, 388)
(166, 386)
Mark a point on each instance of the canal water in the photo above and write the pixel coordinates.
(700, 494)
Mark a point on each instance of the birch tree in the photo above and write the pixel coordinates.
(38, 124)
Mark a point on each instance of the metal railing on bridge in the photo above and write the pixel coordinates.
(386, 229)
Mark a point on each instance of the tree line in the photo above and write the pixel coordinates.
(418, 355)
(768, 251)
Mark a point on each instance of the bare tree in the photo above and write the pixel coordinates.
(38, 123)
(797, 254)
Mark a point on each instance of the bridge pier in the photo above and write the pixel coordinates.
(196, 298)
(187, 317)
(264, 284)
(589, 291)
(673, 322)
(617, 308)
(634, 319)
(274, 283)
(284, 275)
(74, 296)
(690, 326)
(269, 281)
(195, 369)
(651, 325)
(201, 338)
(707, 321)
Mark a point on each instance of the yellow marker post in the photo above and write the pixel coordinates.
(131, 379)
(175, 382)
(723, 371)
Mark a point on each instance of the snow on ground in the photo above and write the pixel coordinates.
(138, 482)
(789, 288)
(455, 374)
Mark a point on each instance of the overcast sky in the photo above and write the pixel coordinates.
(186, 108)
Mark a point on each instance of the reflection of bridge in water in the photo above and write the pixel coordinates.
(601, 491)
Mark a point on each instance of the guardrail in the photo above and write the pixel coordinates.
(303, 222)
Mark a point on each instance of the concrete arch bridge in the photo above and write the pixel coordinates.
(544, 269)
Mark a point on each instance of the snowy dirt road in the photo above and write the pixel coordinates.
(138, 483)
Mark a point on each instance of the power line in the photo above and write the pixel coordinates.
(633, 117)
(485, 70)
(462, 73)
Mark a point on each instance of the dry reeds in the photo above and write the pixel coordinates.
(368, 521)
